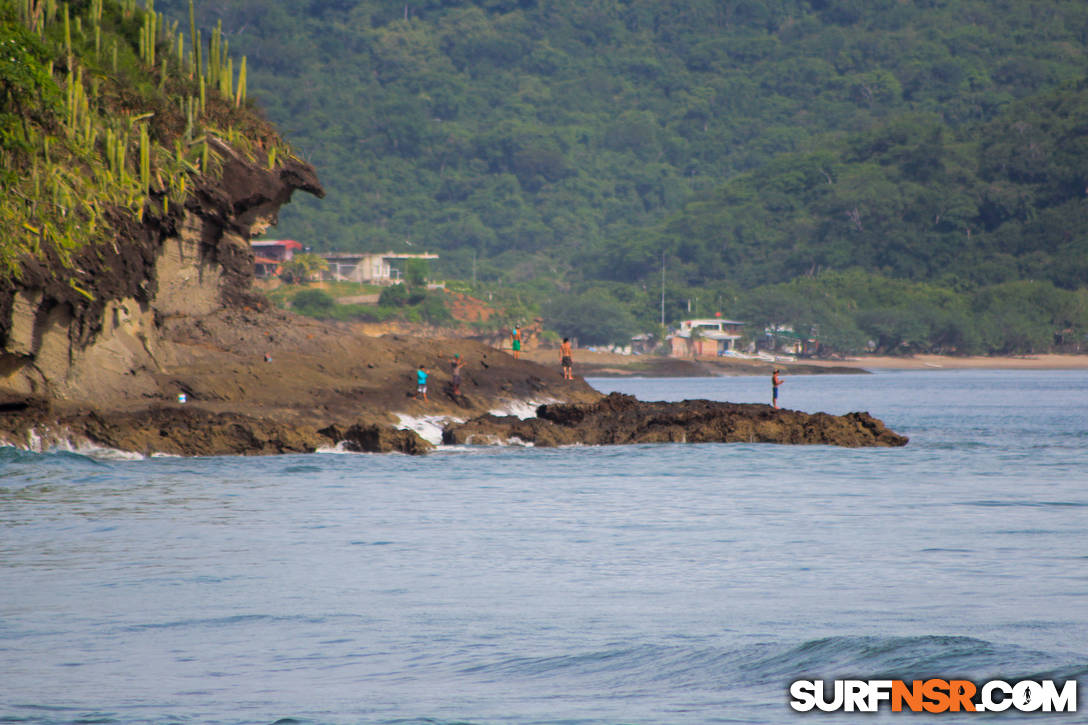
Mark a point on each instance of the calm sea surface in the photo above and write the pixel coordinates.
(643, 584)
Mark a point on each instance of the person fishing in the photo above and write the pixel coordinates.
(775, 382)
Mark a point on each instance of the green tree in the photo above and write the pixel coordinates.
(416, 272)
(593, 317)
(302, 267)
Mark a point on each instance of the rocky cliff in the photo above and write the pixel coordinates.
(171, 311)
(103, 344)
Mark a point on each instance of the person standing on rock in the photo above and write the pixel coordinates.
(775, 382)
(566, 360)
(456, 364)
(515, 342)
(421, 383)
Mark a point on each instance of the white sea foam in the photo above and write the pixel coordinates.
(429, 427)
(90, 449)
(339, 448)
(521, 408)
(492, 441)
(49, 442)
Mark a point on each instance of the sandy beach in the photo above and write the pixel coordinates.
(979, 362)
(593, 363)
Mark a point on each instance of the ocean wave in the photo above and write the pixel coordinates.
(905, 658)
(13, 456)
(37, 446)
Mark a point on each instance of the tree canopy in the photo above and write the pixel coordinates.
(752, 142)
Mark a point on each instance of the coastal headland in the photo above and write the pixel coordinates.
(169, 350)
(165, 348)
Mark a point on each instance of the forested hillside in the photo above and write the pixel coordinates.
(572, 144)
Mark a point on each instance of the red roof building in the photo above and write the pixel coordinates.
(280, 250)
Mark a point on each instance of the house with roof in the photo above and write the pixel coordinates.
(709, 336)
(270, 255)
(369, 268)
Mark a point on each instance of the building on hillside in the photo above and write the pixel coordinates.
(643, 344)
(709, 336)
(371, 268)
(269, 255)
(784, 339)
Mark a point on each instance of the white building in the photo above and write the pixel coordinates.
(706, 336)
(372, 268)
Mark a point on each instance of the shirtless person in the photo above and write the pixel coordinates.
(775, 382)
(565, 359)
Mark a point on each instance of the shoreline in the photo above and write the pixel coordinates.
(605, 364)
(1046, 361)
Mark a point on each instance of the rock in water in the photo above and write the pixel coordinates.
(618, 419)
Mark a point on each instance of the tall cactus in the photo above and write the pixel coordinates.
(67, 37)
(145, 158)
(195, 53)
(240, 98)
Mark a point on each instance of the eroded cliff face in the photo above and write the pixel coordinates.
(93, 331)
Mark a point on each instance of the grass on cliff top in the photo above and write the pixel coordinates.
(106, 110)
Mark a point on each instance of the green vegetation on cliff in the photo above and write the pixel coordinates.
(106, 113)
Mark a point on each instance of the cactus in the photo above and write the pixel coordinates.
(241, 94)
(213, 54)
(198, 59)
(67, 36)
(195, 54)
(145, 158)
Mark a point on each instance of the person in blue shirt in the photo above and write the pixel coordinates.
(421, 383)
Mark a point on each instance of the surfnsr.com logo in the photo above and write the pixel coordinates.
(934, 695)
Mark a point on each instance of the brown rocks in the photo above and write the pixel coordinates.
(618, 419)
(374, 438)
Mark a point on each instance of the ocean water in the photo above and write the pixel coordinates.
(642, 584)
